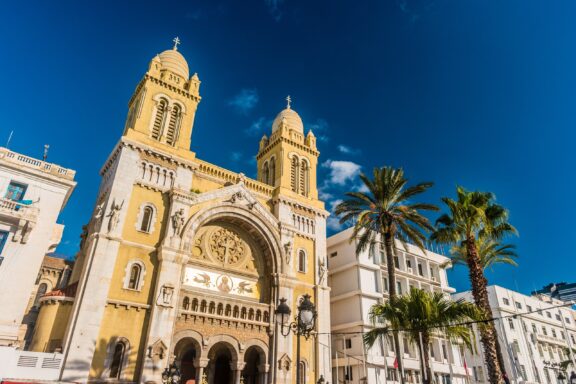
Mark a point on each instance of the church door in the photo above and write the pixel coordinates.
(187, 369)
(222, 372)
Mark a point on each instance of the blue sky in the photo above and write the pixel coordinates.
(475, 93)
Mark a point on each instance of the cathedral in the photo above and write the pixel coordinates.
(185, 263)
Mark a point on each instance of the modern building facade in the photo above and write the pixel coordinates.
(359, 281)
(535, 333)
(34, 192)
(184, 261)
(561, 291)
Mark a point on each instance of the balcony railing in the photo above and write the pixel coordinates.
(14, 208)
(40, 165)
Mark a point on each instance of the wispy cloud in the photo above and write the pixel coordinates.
(340, 172)
(333, 223)
(257, 127)
(274, 8)
(235, 156)
(244, 101)
(320, 128)
(348, 150)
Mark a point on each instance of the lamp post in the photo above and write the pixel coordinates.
(302, 326)
(171, 375)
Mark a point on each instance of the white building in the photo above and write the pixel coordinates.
(357, 283)
(33, 193)
(534, 332)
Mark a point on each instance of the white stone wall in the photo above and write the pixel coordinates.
(529, 354)
(357, 282)
(23, 257)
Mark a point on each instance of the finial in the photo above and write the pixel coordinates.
(288, 101)
(176, 42)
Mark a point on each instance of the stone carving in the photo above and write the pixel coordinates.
(288, 251)
(227, 247)
(235, 197)
(83, 236)
(178, 221)
(322, 272)
(166, 294)
(98, 212)
(114, 215)
(244, 287)
(284, 363)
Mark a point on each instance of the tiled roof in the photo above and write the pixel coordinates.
(56, 262)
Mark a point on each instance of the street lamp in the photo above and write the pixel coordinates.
(302, 326)
(171, 375)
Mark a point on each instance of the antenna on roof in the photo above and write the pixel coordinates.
(9, 138)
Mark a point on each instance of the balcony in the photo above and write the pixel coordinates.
(30, 162)
(552, 340)
(24, 216)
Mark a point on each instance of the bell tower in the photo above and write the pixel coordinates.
(162, 109)
(288, 159)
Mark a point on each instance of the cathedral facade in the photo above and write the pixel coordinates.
(186, 262)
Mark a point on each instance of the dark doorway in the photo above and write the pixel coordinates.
(220, 359)
(187, 369)
(250, 371)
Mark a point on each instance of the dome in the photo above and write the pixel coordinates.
(292, 119)
(173, 60)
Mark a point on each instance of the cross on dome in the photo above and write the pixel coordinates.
(176, 42)
(288, 101)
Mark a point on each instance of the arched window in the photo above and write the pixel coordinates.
(302, 378)
(186, 303)
(117, 360)
(265, 173)
(301, 261)
(173, 125)
(146, 223)
(272, 179)
(42, 288)
(135, 272)
(294, 174)
(304, 178)
(161, 109)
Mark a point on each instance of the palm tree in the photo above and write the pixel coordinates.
(421, 314)
(490, 251)
(385, 211)
(475, 215)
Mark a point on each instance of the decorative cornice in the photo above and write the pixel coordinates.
(127, 304)
(296, 204)
(171, 87)
(300, 146)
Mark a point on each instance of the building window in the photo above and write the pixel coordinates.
(42, 288)
(396, 262)
(294, 174)
(399, 287)
(161, 109)
(518, 305)
(566, 318)
(272, 175)
(174, 125)
(420, 270)
(302, 372)
(347, 374)
(534, 328)
(549, 315)
(506, 301)
(16, 191)
(334, 254)
(134, 276)
(265, 173)
(444, 352)
(304, 182)
(529, 308)
(385, 284)
(347, 343)
(558, 317)
(553, 332)
(3, 238)
(544, 332)
(302, 261)
(117, 359)
(511, 323)
(146, 219)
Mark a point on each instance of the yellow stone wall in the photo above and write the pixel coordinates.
(51, 324)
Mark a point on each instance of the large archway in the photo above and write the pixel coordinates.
(254, 358)
(222, 358)
(187, 352)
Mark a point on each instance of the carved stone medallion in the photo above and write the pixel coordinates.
(227, 247)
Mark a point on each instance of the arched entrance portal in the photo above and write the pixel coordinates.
(187, 368)
(253, 359)
(220, 366)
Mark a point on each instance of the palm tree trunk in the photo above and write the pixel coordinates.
(480, 293)
(389, 245)
(426, 353)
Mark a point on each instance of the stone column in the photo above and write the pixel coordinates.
(263, 373)
(201, 366)
(237, 371)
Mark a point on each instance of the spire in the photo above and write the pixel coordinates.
(288, 101)
(176, 42)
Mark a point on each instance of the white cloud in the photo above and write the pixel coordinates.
(341, 171)
(347, 150)
(333, 223)
(235, 156)
(245, 101)
(332, 205)
(324, 195)
(257, 127)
